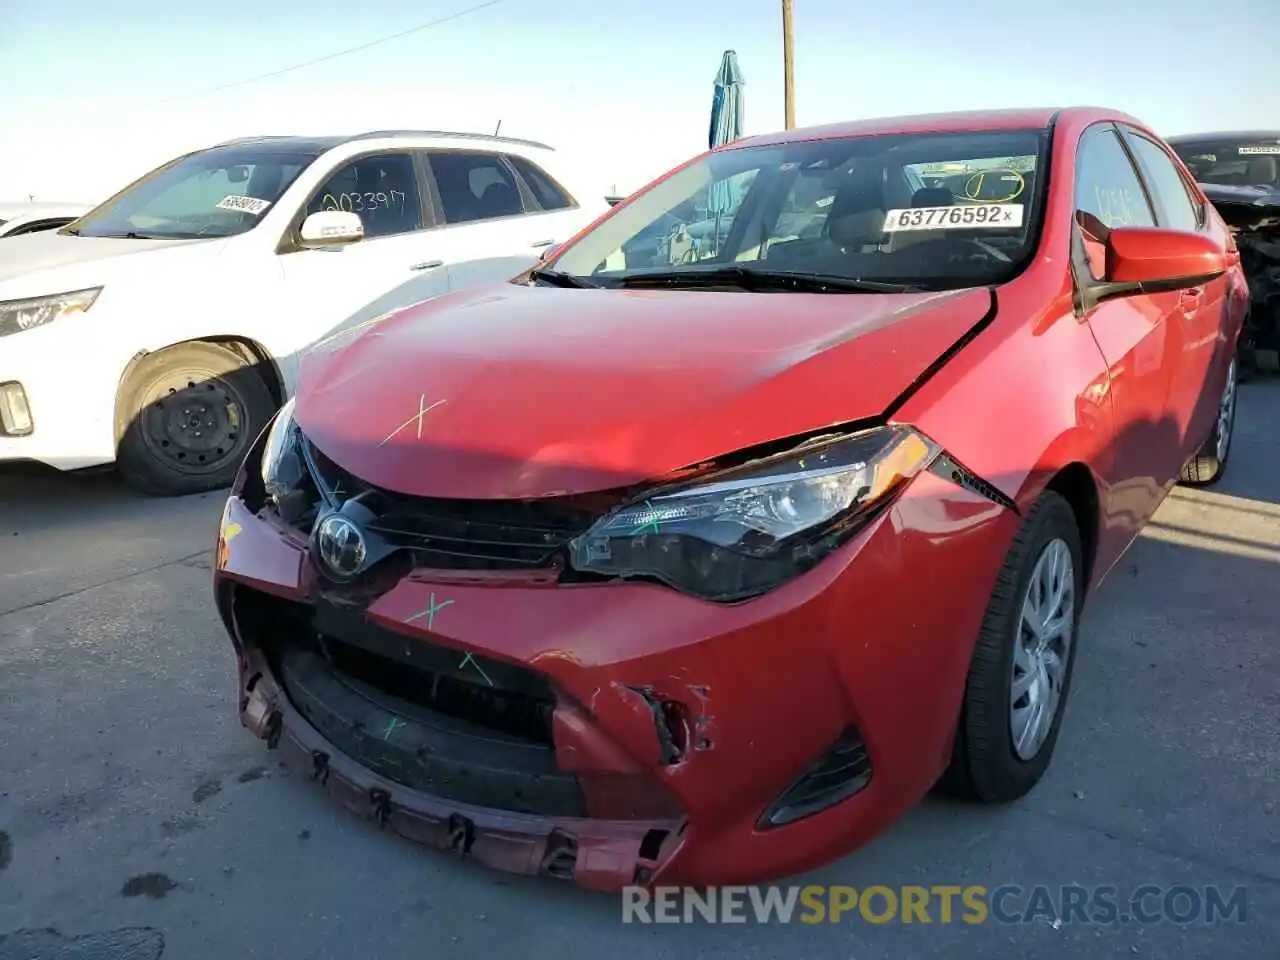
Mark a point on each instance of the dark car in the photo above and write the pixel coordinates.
(1240, 175)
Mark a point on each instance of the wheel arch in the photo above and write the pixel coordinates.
(253, 353)
(1076, 484)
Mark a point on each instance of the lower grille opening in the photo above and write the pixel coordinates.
(504, 711)
(424, 728)
(502, 698)
(843, 770)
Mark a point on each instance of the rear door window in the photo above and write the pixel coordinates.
(475, 186)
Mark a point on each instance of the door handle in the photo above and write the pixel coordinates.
(542, 243)
(429, 265)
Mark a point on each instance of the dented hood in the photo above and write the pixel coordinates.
(525, 392)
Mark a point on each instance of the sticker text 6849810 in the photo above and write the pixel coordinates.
(244, 204)
(960, 217)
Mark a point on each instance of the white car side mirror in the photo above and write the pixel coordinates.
(329, 228)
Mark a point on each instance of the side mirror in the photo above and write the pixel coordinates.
(330, 228)
(1156, 259)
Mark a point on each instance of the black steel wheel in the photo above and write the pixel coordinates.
(190, 414)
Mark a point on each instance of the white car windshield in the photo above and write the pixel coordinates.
(931, 210)
(218, 192)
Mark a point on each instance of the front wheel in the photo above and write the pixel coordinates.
(1020, 674)
(191, 412)
(1210, 462)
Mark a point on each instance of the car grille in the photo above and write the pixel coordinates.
(456, 534)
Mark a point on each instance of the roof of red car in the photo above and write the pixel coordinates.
(1019, 119)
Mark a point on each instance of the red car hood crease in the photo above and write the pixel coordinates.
(521, 392)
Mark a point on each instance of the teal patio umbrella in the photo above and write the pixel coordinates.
(726, 126)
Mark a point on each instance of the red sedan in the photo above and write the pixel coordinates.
(701, 552)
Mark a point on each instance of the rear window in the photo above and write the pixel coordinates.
(1234, 163)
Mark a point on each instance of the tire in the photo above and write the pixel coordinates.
(1210, 462)
(986, 764)
(188, 416)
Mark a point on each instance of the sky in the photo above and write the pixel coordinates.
(94, 93)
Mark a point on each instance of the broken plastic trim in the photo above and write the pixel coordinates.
(672, 738)
(950, 469)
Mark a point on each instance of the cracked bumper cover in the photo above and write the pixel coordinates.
(752, 694)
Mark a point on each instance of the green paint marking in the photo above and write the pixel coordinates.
(472, 660)
(644, 527)
(430, 613)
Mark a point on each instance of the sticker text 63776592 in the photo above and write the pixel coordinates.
(959, 217)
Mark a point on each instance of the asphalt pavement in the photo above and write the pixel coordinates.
(138, 821)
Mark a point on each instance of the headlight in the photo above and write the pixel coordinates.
(281, 460)
(745, 531)
(19, 315)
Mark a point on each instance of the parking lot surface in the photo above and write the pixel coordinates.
(138, 821)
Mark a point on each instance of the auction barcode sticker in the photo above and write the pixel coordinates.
(244, 204)
(961, 217)
(1262, 149)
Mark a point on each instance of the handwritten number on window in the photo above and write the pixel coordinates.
(369, 202)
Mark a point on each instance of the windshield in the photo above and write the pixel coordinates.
(218, 192)
(1233, 163)
(932, 210)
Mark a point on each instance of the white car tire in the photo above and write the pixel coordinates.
(189, 415)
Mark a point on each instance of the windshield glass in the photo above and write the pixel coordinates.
(1233, 163)
(938, 210)
(218, 192)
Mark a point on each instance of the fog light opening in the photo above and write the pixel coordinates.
(15, 412)
(843, 770)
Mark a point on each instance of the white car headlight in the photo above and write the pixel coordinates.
(19, 315)
(280, 459)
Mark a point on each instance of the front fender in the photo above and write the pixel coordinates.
(1023, 402)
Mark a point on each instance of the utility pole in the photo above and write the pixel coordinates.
(788, 65)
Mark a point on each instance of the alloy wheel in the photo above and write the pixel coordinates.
(1226, 414)
(1042, 649)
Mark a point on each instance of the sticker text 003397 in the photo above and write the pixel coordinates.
(367, 202)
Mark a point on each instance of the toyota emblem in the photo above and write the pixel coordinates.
(341, 546)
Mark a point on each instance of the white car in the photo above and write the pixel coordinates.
(17, 219)
(163, 328)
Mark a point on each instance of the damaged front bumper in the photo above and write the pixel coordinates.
(598, 854)
(622, 733)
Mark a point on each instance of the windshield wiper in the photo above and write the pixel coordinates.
(557, 279)
(754, 279)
